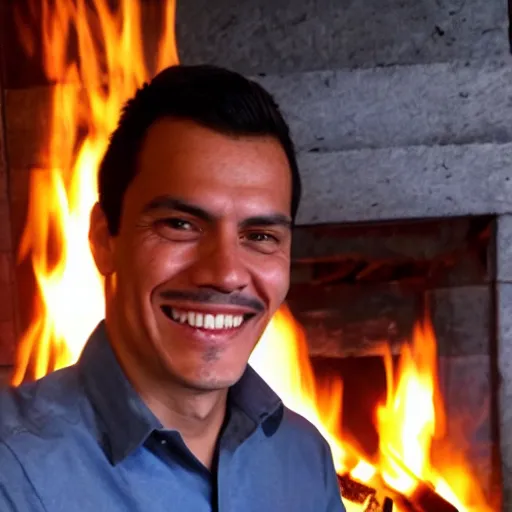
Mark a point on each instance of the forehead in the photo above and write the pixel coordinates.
(183, 159)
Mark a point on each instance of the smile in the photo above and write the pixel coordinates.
(201, 320)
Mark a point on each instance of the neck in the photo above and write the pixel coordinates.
(198, 416)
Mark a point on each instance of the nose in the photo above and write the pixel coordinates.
(220, 264)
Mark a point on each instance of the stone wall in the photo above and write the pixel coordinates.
(269, 36)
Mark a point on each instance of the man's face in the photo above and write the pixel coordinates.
(201, 262)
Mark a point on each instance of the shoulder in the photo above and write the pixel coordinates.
(298, 426)
(296, 431)
(36, 408)
(308, 456)
(30, 416)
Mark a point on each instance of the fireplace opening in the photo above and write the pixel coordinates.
(358, 288)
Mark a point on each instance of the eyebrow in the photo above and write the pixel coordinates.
(172, 203)
(276, 219)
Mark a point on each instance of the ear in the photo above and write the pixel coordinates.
(101, 242)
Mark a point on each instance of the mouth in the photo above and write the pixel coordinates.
(214, 322)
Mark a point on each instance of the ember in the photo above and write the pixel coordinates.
(87, 100)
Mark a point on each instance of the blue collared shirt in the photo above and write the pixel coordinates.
(81, 439)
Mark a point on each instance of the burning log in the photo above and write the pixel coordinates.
(425, 499)
(362, 494)
(354, 491)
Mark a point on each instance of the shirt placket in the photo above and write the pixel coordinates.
(237, 432)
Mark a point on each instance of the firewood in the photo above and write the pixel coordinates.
(425, 499)
(357, 492)
(354, 491)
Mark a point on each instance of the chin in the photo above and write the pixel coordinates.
(211, 378)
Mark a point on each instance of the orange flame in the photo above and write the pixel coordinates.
(407, 423)
(87, 98)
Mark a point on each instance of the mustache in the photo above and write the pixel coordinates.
(211, 296)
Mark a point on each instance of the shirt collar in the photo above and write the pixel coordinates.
(126, 422)
(255, 397)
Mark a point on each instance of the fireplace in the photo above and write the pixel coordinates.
(358, 286)
(404, 145)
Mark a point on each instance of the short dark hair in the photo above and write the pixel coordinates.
(213, 97)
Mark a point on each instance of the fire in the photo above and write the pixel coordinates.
(408, 422)
(281, 358)
(87, 98)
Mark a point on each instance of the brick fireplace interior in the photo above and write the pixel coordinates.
(401, 114)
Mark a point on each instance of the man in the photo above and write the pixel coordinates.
(198, 191)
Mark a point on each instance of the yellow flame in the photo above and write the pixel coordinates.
(87, 99)
(407, 422)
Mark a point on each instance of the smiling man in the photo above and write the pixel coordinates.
(198, 191)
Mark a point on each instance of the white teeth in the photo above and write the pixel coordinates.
(207, 321)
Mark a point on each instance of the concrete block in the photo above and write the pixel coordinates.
(462, 320)
(400, 183)
(504, 295)
(447, 103)
(442, 103)
(265, 36)
(467, 389)
(504, 248)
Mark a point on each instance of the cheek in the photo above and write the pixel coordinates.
(156, 261)
(273, 279)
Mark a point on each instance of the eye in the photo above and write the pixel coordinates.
(177, 229)
(262, 237)
(263, 242)
(177, 223)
